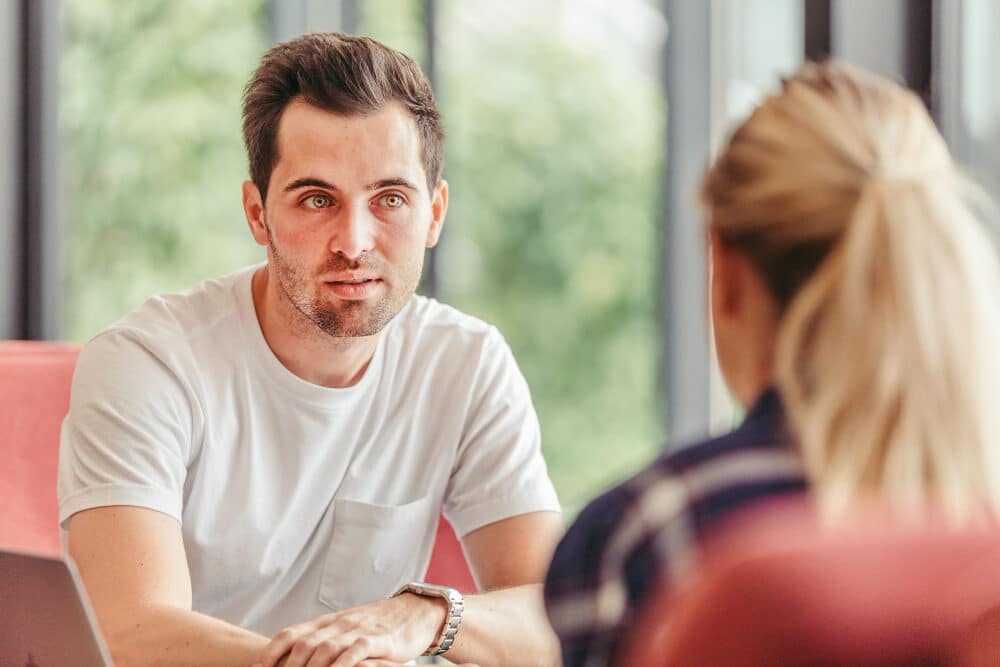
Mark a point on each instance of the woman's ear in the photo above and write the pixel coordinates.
(745, 320)
(725, 278)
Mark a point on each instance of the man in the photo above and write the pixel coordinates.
(271, 450)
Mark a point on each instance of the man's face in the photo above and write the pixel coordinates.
(348, 216)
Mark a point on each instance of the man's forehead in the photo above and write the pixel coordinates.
(389, 135)
(348, 151)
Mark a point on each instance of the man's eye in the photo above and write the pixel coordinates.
(317, 201)
(391, 200)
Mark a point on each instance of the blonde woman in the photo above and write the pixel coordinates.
(854, 296)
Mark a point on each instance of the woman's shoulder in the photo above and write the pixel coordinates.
(650, 527)
(692, 484)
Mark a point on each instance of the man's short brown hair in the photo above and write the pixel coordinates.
(342, 74)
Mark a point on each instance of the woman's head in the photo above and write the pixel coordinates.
(840, 199)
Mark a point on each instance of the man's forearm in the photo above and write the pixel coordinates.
(168, 636)
(505, 628)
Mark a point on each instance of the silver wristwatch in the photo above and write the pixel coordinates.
(456, 605)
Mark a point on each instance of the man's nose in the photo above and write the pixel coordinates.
(353, 233)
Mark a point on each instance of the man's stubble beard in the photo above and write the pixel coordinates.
(353, 319)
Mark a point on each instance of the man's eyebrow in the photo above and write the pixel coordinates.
(309, 183)
(393, 182)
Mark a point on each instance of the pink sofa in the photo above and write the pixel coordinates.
(34, 397)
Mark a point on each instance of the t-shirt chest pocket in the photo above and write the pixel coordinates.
(374, 550)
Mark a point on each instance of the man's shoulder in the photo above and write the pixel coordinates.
(427, 312)
(175, 328)
(170, 317)
(426, 322)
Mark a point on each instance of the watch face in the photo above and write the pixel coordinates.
(431, 590)
(435, 590)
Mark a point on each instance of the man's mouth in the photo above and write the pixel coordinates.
(353, 288)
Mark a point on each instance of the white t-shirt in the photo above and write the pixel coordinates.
(295, 499)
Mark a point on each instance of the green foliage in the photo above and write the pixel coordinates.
(398, 23)
(152, 151)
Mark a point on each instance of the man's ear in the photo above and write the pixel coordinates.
(439, 207)
(253, 206)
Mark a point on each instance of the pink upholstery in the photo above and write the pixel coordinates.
(448, 566)
(34, 397)
(782, 592)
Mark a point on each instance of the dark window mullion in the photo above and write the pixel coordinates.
(817, 29)
(39, 216)
(429, 283)
(918, 54)
(11, 170)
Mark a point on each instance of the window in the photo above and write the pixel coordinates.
(555, 119)
(152, 149)
(765, 41)
(980, 104)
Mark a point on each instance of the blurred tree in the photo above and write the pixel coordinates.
(152, 151)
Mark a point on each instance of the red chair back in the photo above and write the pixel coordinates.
(785, 593)
(34, 398)
(448, 565)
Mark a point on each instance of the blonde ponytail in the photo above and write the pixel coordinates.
(888, 356)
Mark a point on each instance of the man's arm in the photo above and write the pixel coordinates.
(134, 568)
(504, 626)
(507, 624)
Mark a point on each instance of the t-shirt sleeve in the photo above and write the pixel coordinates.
(127, 437)
(499, 470)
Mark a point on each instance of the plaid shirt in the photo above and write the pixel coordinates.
(648, 529)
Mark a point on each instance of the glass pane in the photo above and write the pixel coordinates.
(980, 94)
(397, 23)
(766, 41)
(152, 152)
(555, 122)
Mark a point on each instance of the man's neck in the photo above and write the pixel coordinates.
(301, 346)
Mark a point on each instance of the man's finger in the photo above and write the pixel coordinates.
(281, 644)
(328, 651)
(305, 648)
(380, 662)
(361, 649)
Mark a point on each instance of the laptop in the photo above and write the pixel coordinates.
(45, 618)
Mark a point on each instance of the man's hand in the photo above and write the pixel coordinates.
(387, 631)
(389, 663)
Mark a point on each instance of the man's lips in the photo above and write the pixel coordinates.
(353, 287)
(348, 277)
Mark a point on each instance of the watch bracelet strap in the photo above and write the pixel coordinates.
(450, 629)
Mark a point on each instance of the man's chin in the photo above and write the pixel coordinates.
(353, 322)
